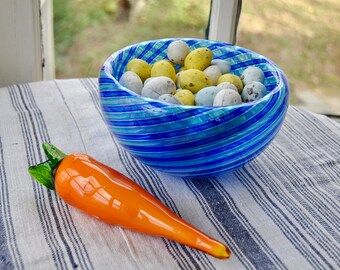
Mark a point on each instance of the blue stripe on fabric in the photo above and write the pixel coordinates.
(307, 202)
(247, 225)
(72, 232)
(323, 200)
(78, 245)
(321, 127)
(174, 250)
(309, 189)
(280, 218)
(37, 189)
(40, 137)
(7, 235)
(211, 198)
(42, 131)
(324, 148)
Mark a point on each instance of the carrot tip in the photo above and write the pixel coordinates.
(223, 252)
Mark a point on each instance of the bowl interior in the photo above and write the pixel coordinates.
(152, 51)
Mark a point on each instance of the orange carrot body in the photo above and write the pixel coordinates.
(108, 195)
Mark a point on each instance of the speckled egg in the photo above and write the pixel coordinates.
(158, 86)
(185, 96)
(223, 65)
(140, 67)
(214, 73)
(227, 97)
(170, 99)
(227, 85)
(148, 80)
(253, 91)
(251, 74)
(131, 81)
(177, 51)
(206, 96)
(233, 79)
(163, 68)
(194, 80)
(178, 77)
(199, 58)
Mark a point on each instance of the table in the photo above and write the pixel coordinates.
(281, 211)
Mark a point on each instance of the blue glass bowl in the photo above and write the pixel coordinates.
(192, 141)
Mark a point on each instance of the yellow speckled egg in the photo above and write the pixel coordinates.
(185, 96)
(198, 59)
(233, 79)
(140, 67)
(194, 80)
(163, 68)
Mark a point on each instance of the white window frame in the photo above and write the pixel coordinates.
(224, 18)
(26, 41)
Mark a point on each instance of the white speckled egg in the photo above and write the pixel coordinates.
(170, 99)
(253, 91)
(158, 86)
(206, 96)
(177, 51)
(131, 81)
(227, 97)
(148, 80)
(251, 74)
(223, 65)
(214, 73)
(227, 85)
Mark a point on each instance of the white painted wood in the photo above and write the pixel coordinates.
(223, 20)
(22, 41)
(48, 39)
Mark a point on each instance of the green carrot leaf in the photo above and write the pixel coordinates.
(53, 154)
(43, 174)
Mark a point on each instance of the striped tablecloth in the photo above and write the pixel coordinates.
(281, 211)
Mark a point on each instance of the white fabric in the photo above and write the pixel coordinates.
(281, 211)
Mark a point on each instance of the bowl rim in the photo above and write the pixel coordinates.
(281, 77)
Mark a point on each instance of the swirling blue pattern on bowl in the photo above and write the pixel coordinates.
(192, 141)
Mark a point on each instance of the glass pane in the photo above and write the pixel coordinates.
(302, 37)
(87, 32)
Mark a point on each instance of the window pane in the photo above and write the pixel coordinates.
(302, 37)
(87, 32)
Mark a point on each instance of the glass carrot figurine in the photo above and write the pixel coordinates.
(109, 196)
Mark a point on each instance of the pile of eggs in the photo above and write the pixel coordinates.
(193, 78)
